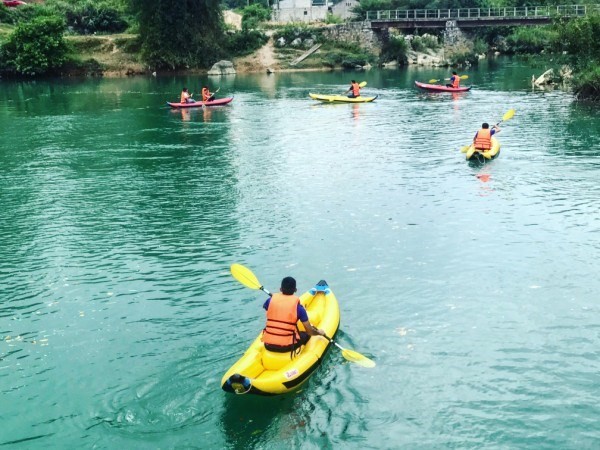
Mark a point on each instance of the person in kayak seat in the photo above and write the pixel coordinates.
(207, 96)
(281, 333)
(483, 138)
(186, 97)
(354, 90)
(454, 81)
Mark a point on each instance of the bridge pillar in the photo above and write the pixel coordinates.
(452, 34)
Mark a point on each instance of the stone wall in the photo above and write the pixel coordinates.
(354, 32)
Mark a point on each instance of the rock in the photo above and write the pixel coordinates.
(309, 42)
(270, 71)
(566, 73)
(281, 42)
(297, 42)
(390, 64)
(545, 78)
(222, 67)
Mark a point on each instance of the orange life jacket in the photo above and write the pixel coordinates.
(205, 94)
(282, 319)
(355, 89)
(483, 139)
(456, 81)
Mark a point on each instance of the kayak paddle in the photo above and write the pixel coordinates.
(462, 77)
(248, 279)
(507, 116)
(352, 356)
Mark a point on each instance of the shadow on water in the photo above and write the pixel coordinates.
(252, 421)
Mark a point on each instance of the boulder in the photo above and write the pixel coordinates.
(545, 78)
(222, 68)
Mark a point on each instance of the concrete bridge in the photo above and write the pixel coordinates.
(474, 17)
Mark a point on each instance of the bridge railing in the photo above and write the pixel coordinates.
(485, 13)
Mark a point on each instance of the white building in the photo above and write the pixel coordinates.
(311, 10)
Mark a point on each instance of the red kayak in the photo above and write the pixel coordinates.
(440, 88)
(217, 102)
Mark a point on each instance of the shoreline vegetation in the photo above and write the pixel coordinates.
(133, 37)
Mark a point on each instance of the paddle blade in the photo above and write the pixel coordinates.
(357, 358)
(509, 115)
(464, 149)
(245, 276)
(433, 81)
(363, 84)
(464, 77)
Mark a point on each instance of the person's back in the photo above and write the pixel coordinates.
(281, 333)
(483, 138)
(185, 96)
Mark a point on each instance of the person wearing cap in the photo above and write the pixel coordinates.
(281, 333)
(483, 138)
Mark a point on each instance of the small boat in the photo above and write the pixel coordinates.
(341, 98)
(262, 372)
(474, 154)
(440, 88)
(200, 104)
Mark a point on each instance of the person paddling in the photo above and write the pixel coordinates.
(354, 90)
(483, 138)
(186, 97)
(281, 333)
(454, 81)
(207, 96)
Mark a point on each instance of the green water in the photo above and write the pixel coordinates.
(472, 287)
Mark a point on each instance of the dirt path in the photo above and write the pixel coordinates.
(259, 61)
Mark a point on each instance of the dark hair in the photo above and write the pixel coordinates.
(485, 125)
(288, 286)
(454, 73)
(184, 89)
(352, 81)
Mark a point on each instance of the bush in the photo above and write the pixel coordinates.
(294, 31)
(253, 15)
(530, 40)
(587, 83)
(395, 49)
(91, 17)
(244, 42)
(425, 42)
(36, 47)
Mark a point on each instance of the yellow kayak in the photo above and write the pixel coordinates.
(476, 154)
(341, 98)
(260, 371)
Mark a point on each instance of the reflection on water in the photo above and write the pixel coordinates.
(121, 217)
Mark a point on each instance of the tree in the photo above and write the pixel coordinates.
(178, 34)
(36, 47)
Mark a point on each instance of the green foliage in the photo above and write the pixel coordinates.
(530, 39)
(580, 39)
(332, 19)
(253, 15)
(83, 16)
(95, 17)
(425, 42)
(347, 55)
(587, 83)
(299, 30)
(244, 42)
(184, 34)
(395, 49)
(36, 47)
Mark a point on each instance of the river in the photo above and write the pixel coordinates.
(471, 286)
